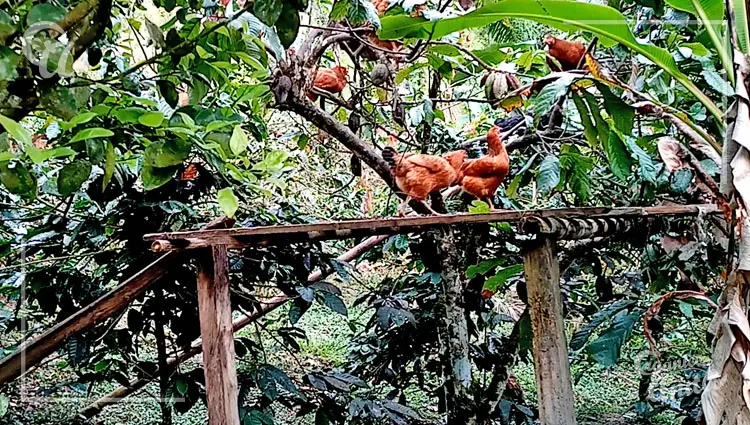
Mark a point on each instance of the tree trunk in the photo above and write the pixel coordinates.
(454, 335)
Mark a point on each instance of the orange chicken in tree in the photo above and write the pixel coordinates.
(418, 175)
(567, 53)
(330, 80)
(481, 177)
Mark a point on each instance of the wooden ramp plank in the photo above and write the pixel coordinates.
(31, 352)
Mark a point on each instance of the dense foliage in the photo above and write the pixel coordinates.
(123, 118)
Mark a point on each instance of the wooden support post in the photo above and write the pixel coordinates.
(553, 383)
(218, 338)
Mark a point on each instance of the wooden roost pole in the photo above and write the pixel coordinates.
(553, 383)
(218, 337)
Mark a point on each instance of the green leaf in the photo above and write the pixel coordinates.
(606, 349)
(72, 176)
(16, 130)
(686, 309)
(548, 176)
(168, 91)
(17, 179)
(155, 177)
(181, 386)
(271, 379)
(45, 12)
(600, 124)
(334, 302)
(621, 113)
(494, 283)
(91, 133)
(607, 23)
(59, 152)
(696, 49)
(95, 148)
(81, 119)
(404, 73)
(298, 308)
(9, 61)
(401, 410)
(582, 335)
(549, 94)
(717, 82)
(268, 11)
(216, 125)
(681, 180)
(256, 417)
(102, 365)
(647, 166)
(479, 207)
(109, 165)
(151, 119)
(168, 153)
(589, 131)
(742, 25)
(227, 201)
(239, 141)
(65, 102)
(288, 25)
(711, 15)
(618, 156)
(7, 27)
(483, 267)
(129, 115)
(578, 171)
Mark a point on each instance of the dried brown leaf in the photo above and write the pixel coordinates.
(672, 153)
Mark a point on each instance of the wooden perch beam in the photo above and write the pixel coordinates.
(243, 237)
(30, 353)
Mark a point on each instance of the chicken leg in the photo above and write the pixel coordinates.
(400, 212)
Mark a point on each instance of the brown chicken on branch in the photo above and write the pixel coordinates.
(330, 80)
(481, 177)
(418, 175)
(567, 53)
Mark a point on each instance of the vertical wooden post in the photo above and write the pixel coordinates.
(553, 383)
(218, 338)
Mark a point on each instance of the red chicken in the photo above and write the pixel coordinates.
(568, 53)
(456, 159)
(481, 177)
(418, 175)
(331, 80)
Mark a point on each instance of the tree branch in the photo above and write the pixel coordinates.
(501, 372)
(321, 119)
